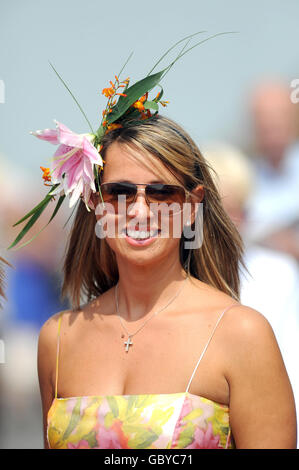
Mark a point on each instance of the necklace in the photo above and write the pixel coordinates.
(129, 343)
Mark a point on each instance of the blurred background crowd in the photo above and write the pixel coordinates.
(253, 148)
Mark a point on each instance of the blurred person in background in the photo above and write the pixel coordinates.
(33, 292)
(273, 208)
(272, 284)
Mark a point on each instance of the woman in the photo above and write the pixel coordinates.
(162, 354)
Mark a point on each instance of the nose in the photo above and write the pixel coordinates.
(139, 208)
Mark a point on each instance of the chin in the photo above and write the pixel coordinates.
(154, 253)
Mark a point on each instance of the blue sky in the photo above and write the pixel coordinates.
(88, 41)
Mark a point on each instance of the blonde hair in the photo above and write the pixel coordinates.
(90, 266)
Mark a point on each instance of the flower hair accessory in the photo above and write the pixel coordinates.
(75, 167)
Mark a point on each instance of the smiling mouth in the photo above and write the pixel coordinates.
(141, 234)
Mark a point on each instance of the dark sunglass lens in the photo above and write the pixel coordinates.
(111, 191)
(165, 193)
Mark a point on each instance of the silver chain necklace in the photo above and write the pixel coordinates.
(129, 343)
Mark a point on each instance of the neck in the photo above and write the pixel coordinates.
(144, 289)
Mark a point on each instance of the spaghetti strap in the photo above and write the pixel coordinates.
(208, 342)
(57, 352)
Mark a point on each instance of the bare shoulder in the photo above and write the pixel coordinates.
(47, 341)
(247, 335)
(49, 330)
(246, 328)
(255, 371)
(73, 323)
(245, 319)
(242, 329)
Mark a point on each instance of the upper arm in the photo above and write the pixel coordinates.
(46, 365)
(262, 408)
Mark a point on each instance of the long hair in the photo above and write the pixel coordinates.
(90, 267)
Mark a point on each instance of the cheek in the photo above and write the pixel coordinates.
(109, 223)
(172, 226)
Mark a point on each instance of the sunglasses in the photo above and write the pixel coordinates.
(154, 193)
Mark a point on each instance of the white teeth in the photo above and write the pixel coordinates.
(141, 234)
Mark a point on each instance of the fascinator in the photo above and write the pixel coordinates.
(75, 168)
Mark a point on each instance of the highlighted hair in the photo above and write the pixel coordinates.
(90, 266)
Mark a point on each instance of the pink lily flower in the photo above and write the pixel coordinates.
(73, 161)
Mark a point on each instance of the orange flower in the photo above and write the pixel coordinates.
(108, 92)
(144, 97)
(46, 175)
(138, 105)
(112, 126)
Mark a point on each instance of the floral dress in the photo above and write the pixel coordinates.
(166, 421)
(152, 421)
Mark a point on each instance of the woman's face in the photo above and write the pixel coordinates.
(139, 236)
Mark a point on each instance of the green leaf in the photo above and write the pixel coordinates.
(98, 182)
(74, 208)
(121, 70)
(59, 202)
(133, 93)
(79, 106)
(151, 105)
(18, 239)
(158, 98)
(183, 52)
(29, 224)
(44, 201)
(100, 133)
(130, 115)
(172, 47)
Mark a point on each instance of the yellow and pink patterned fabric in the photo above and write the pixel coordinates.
(153, 421)
(166, 421)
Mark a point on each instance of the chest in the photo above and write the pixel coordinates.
(159, 358)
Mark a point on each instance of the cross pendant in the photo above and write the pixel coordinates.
(128, 343)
